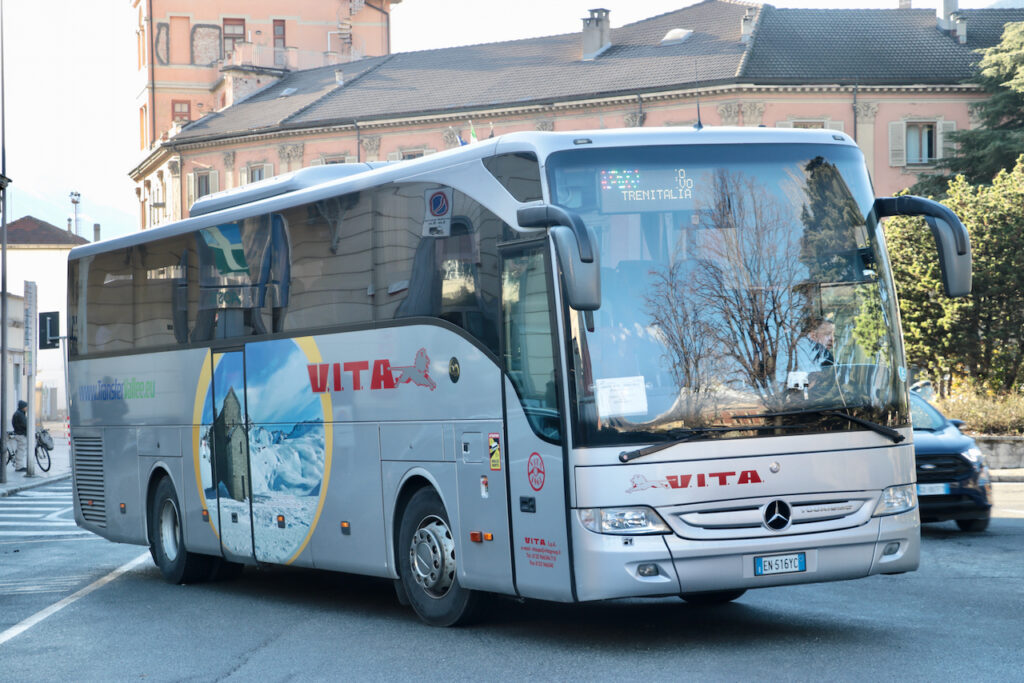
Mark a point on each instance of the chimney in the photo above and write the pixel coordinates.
(949, 8)
(69, 226)
(905, 4)
(597, 34)
(339, 77)
(95, 232)
(747, 26)
(959, 32)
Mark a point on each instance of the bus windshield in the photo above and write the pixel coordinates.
(745, 291)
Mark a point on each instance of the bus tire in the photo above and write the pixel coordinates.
(167, 540)
(712, 597)
(427, 563)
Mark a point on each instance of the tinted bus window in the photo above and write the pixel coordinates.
(519, 173)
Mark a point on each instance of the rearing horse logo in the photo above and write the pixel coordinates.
(418, 373)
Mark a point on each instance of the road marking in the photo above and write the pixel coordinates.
(81, 532)
(1019, 512)
(39, 616)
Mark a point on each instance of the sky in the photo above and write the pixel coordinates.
(71, 82)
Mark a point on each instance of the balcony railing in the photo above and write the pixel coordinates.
(286, 58)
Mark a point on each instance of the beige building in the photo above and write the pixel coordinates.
(897, 80)
(38, 252)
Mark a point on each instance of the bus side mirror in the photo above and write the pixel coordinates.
(951, 238)
(574, 243)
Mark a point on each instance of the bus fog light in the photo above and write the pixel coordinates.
(647, 570)
(631, 520)
(891, 548)
(896, 499)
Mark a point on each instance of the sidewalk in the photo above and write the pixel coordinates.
(60, 466)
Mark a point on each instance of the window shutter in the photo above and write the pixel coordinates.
(944, 147)
(834, 125)
(897, 143)
(429, 151)
(268, 171)
(190, 193)
(352, 160)
(243, 176)
(394, 156)
(783, 124)
(316, 162)
(214, 184)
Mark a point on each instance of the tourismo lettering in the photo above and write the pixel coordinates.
(352, 375)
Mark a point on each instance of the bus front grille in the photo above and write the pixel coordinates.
(88, 470)
(814, 513)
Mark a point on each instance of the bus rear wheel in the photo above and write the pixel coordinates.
(167, 540)
(427, 563)
(712, 597)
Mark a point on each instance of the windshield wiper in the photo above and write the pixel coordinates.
(873, 426)
(692, 433)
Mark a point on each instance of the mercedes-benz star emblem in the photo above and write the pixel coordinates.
(777, 515)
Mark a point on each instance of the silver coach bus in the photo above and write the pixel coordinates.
(567, 366)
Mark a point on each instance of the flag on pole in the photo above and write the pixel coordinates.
(472, 133)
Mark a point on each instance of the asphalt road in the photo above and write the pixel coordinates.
(958, 617)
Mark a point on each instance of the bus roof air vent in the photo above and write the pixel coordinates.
(275, 186)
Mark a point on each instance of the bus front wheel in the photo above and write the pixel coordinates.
(427, 563)
(167, 541)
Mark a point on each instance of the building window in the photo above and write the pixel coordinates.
(181, 111)
(256, 173)
(202, 184)
(808, 124)
(280, 58)
(234, 33)
(142, 127)
(412, 154)
(920, 143)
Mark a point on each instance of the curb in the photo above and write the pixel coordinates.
(42, 481)
(1012, 476)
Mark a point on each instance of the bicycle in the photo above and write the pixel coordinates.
(44, 444)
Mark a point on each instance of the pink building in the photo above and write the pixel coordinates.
(197, 57)
(896, 80)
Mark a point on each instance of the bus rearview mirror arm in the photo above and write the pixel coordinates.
(574, 243)
(546, 216)
(951, 238)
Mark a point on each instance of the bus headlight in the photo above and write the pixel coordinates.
(632, 520)
(896, 499)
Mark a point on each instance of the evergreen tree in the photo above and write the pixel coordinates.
(995, 145)
(978, 336)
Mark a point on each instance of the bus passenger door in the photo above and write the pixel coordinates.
(229, 448)
(534, 424)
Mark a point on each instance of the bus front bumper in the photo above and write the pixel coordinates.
(609, 566)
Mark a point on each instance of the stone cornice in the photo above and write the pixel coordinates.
(547, 109)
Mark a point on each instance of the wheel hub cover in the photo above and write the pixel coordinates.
(432, 557)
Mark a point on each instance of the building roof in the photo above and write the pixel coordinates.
(31, 230)
(867, 47)
(789, 46)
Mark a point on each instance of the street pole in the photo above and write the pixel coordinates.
(3, 259)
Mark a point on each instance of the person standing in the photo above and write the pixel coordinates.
(20, 423)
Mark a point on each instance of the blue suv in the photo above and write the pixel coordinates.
(952, 478)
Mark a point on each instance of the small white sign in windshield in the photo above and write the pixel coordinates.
(620, 396)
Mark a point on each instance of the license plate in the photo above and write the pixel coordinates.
(932, 489)
(780, 564)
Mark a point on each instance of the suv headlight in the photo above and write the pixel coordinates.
(896, 499)
(632, 520)
(974, 455)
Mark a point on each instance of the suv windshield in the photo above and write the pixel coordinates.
(924, 416)
(738, 282)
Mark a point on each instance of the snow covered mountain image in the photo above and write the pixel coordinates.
(264, 460)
